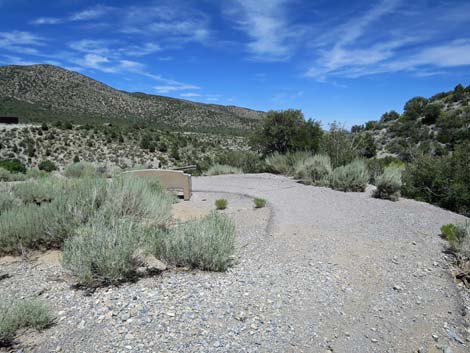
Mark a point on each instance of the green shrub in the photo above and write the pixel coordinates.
(7, 201)
(458, 236)
(7, 176)
(443, 181)
(376, 166)
(389, 184)
(101, 252)
(138, 197)
(207, 244)
(32, 227)
(51, 210)
(13, 165)
(35, 173)
(219, 169)
(316, 170)
(221, 204)
(247, 161)
(351, 177)
(47, 166)
(38, 191)
(259, 203)
(27, 313)
(285, 163)
(341, 146)
(80, 169)
(288, 130)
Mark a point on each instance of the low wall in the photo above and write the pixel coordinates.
(169, 179)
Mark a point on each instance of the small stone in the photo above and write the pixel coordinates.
(447, 349)
(373, 340)
(435, 337)
(171, 314)
(397, 288)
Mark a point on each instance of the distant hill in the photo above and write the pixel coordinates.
(45, 93)
(432, 125)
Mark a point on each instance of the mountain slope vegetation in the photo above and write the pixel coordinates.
(39, 93)
(432, 126)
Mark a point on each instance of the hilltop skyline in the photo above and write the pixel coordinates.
(348, 62)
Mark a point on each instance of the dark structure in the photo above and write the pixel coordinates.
(9, 120)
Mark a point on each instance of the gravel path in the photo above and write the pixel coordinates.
(317, 271)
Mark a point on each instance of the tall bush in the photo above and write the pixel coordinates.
(351, 177)
(315, 169)
(389, 184)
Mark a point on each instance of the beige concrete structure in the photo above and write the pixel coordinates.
(169, 179)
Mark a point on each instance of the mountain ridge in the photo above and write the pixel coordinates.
(46, 92)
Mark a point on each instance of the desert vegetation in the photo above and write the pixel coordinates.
(101, 225)
(22, 314)
(54, 146)
(458, 238)
(221, 204)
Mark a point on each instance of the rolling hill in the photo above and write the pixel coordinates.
(40, 93)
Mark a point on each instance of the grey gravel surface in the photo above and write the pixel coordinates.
(317, 271)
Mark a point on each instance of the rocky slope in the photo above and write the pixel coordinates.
(46, 92)
(432, 125)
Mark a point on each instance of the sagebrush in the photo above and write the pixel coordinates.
(351, 177)
(26, 313)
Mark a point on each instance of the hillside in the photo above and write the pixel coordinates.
(431, 126)
(40, 93)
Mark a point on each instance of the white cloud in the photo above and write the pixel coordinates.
(98, 47)
(21, 42)
(272, 37)
(130, 65)
(90, 14)
(358, 48)
(46, 21)
(84, 15)
(190, 95)
(176, 86)
(453, 54)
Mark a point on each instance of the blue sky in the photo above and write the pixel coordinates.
(345, 61)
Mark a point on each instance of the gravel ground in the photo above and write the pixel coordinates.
(317, 271)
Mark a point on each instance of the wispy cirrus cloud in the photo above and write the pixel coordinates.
(174, 22)
(83, 15)
(115, 47)
(21, 42)
(359, 47)
(46, 21)
(266, 23)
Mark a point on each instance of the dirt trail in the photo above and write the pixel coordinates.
(365, 275)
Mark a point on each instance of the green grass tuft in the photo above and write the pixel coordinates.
(259, 203)
(221, 204)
